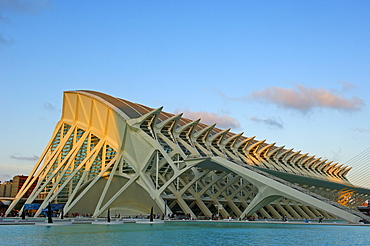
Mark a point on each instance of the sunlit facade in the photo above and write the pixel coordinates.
(109, 153)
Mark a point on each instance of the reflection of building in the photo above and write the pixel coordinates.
(108, 153)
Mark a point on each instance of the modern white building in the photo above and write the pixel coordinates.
(109, 153)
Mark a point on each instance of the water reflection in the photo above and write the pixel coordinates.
(186, 233)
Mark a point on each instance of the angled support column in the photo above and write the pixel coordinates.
(292, 211)
(299, 210)
(265, 196)
(273, 211)
(279, 190)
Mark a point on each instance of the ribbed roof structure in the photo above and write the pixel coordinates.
(109, 153)
(303, 164)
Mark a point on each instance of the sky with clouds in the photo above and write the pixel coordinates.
(292, 72)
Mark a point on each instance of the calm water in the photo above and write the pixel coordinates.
(187, 233)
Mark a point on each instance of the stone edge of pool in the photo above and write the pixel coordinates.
(100, 221)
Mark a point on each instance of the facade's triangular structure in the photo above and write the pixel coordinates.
(108, 153)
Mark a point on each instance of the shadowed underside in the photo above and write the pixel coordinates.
(109, 153)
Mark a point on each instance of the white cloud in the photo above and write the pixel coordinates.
(24, 158)
(24, 6)
(6, 41)
(222, 121)
(8, 171)
(306, 99)
(361, 130)
(20, 7)
(347, 86)
(275, 123)
(49, 106)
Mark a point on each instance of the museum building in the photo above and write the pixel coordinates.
(109, 153)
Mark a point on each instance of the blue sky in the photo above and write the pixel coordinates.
(292, 72)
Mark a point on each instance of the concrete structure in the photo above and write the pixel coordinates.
(108, 153)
